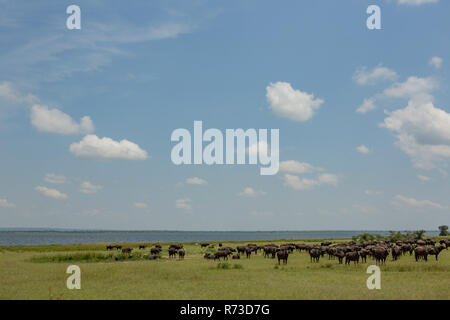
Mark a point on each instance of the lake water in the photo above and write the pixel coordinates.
(45, 237)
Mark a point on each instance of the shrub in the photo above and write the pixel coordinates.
(223, 265)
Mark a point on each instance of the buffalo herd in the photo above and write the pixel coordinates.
(344, 252)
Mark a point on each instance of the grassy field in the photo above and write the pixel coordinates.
(39, 272)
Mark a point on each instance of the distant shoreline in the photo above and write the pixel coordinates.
(27, 237)
(144, 230)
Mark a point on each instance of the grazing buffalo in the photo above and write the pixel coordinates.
(142, 246)
(314, 254)
(204, 245)
(248, 252)
(352, 256)
(181, 253)
(270, 251)
(236, 256)
(434, 251)
(283, 255)
(396, 252)
(172, 252)
(222, 254)
(155, 250)
(421, 252)
(127, 250)
(241, 249)
(363, 253)
(340, 255)
(380, 254)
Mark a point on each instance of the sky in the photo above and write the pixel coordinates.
(86, 115)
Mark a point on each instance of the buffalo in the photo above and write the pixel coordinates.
(283, 255)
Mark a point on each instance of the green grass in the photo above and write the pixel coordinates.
(39, 272)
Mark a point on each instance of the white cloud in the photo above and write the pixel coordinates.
(92, 146)
(6, 204)
(51, 193)
(250, 192)
(297, 167)
(292, 104)
(261, 146)
(413, 87)
(423, 178)
(184, 204)
(367, 105)
(364, 77)
(416, 2)
(56, 121)
(10, 94)
(422, 131)
(99, 44)
(255, 213)
(436, 62)
(55, 179)
(359, 208)
(195, 180)
(373, 192)
(88, 188)
(140, 205)
(363, 149)
(294, 182)
(328, 178)
(400, 200)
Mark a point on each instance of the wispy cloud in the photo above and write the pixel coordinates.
(88, 188)
(55, 179)
(400, 200)
(51, 193)
(184, 204)
(249, 192)
(6, 204)
(94, 147)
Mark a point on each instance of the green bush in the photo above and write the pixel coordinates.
(223, 265)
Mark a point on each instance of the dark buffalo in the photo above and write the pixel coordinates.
(340, 254)
(434, 251)
(396, 252)
(314, 254)
(352, 256)
(172, 252)
(421, 252)
(155, 250)
(363, 253)
(380, 254)
(127, 250)
(283, 255)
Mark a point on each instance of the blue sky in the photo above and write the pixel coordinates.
(374, 154)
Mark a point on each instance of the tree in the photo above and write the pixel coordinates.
(444, 230)
(419, 234)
